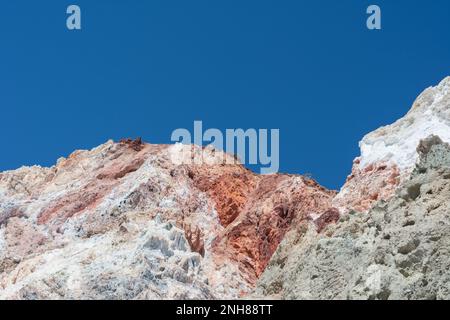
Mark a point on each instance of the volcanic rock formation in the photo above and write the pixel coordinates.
(391, 240)
(388, 155)
(123, 221)
(397, 250)
(131, 220)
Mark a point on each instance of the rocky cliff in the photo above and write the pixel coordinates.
(123, 221)
(388, 154)
(127, 220)
(397, 250)
(391, 240)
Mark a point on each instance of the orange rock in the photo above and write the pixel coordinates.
(277, 204)
(228, 186)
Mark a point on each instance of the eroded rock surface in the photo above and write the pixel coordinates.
(388, 154)
(131, 220)
(390, 241)
(126, 221)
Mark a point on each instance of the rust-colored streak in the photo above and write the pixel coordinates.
(276, 205)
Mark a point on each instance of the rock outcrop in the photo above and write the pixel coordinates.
(132, 220)
(388, 155)
(124, 221)
(394, 219)
(397, 250)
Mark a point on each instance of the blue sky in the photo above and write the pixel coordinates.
(144, 68)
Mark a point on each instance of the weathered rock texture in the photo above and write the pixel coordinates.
(388, 155)
(125, 221)
(397, 250)
(390, 241)
(131, 220)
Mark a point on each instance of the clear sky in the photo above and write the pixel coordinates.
(144, 68)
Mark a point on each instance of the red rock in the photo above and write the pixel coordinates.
(278, 203)
(136, 144)
(330, 216)
(228, 186)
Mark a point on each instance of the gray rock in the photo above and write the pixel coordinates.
(398, 250)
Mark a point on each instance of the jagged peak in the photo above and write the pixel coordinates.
(389, 154)
(396, 143)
